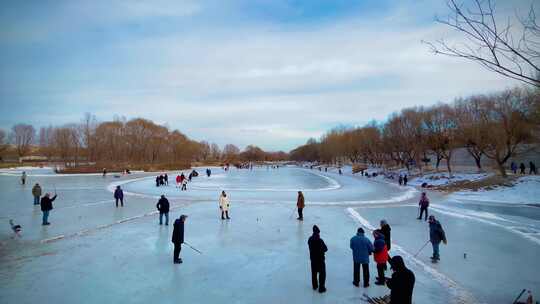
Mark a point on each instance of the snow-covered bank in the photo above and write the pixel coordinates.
(525, 190)
(443, 179)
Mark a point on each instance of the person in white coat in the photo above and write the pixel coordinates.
(224, 205)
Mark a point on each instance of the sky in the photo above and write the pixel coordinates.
(267, 72)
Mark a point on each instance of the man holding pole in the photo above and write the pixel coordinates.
(436, 235)
(178, 237)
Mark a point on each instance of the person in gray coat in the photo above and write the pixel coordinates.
(361, 248)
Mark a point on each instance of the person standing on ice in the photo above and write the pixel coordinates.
(178, 181)
(36, 192)
(46, 207)
(522, 168)
(178, 237)
(300, 204)
(208, 172)
(513, 167)
(400, 179)
(317, 249)
(402, 282)
(436, 236)
(532, 168)
(184, 185)
(405, 180)
(385, 230)
(424, 204)
(380, 255)
(23, 178)
(166, 179)
(361, 248)
(119, 196)
(157, 181)
(224, 205)
(163, 208)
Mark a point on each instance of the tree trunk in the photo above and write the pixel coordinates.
(502, 169)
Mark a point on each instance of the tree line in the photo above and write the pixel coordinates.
(121, 141)
(495, 126)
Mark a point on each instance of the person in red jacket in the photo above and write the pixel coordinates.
(178, 181)
(380, 255)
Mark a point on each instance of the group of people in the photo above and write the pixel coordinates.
(45, 202)
(162, 180)
(522, 168)
(402, 281)
(403, 179)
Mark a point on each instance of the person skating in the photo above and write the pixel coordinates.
(402, 282)
(400, 180)
(385, 230)
(224, 205)
(119, 196)
(424, 204)
(405, 180)
(300, 204)
(532, 168)
(157, 181)
(36, 192)
(46, 207)
(162, 180)
(163, 208)
(380, 255)
(178, 238)
(436, 235)
(23, 178)
(178, 181)
(184, 185)
(317, 249)
(166, 179)
(361, 248)
(522, 168)
(513, 167)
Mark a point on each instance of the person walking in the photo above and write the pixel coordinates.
(424, 204)
(401, 284)
(522, 168)
(300, 204)
(36, 192)
(361, 248)
(119, 196)
(46, 207)
(163, 208)
(513, 167)
(317, 249)
(224, 205)
(532, 168)
(23, 178)
(178, 237)
(380, 255)
(436, 235)
(385, 230)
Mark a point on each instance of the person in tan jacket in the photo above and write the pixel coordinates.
(300, 203)
(36, 192)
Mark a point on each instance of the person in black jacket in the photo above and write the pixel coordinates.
(385, 229)
(46, 207)
(163, 207)
(317, 248)
(402, 282)
(178, 237)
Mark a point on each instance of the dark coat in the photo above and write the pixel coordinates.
(163, 205)
(401, 284)
(317, 248)
(118, 194)
(178, 232)
(436, 232)
(46, 203)
(385, 230)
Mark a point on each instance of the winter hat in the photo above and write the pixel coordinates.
(360, 230)
(316, 229)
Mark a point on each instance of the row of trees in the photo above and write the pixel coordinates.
(496, 126)
(136, 141)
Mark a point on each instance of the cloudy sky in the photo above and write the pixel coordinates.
(266, 72)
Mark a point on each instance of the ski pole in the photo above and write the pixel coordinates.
(193, 248)
(520, 294)
(421, 248)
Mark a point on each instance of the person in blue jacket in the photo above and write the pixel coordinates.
(361, 248)
(436, 236)
(119, 196)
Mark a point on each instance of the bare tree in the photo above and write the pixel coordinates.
(22, 136)
(512, 50)
(3, 145)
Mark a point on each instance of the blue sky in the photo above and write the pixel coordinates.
(271, 73)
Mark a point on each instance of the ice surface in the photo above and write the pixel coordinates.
(96, 253)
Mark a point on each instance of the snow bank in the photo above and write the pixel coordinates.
(442, 179)
(525, 190)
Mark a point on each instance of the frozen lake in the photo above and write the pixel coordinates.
(94, 252)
